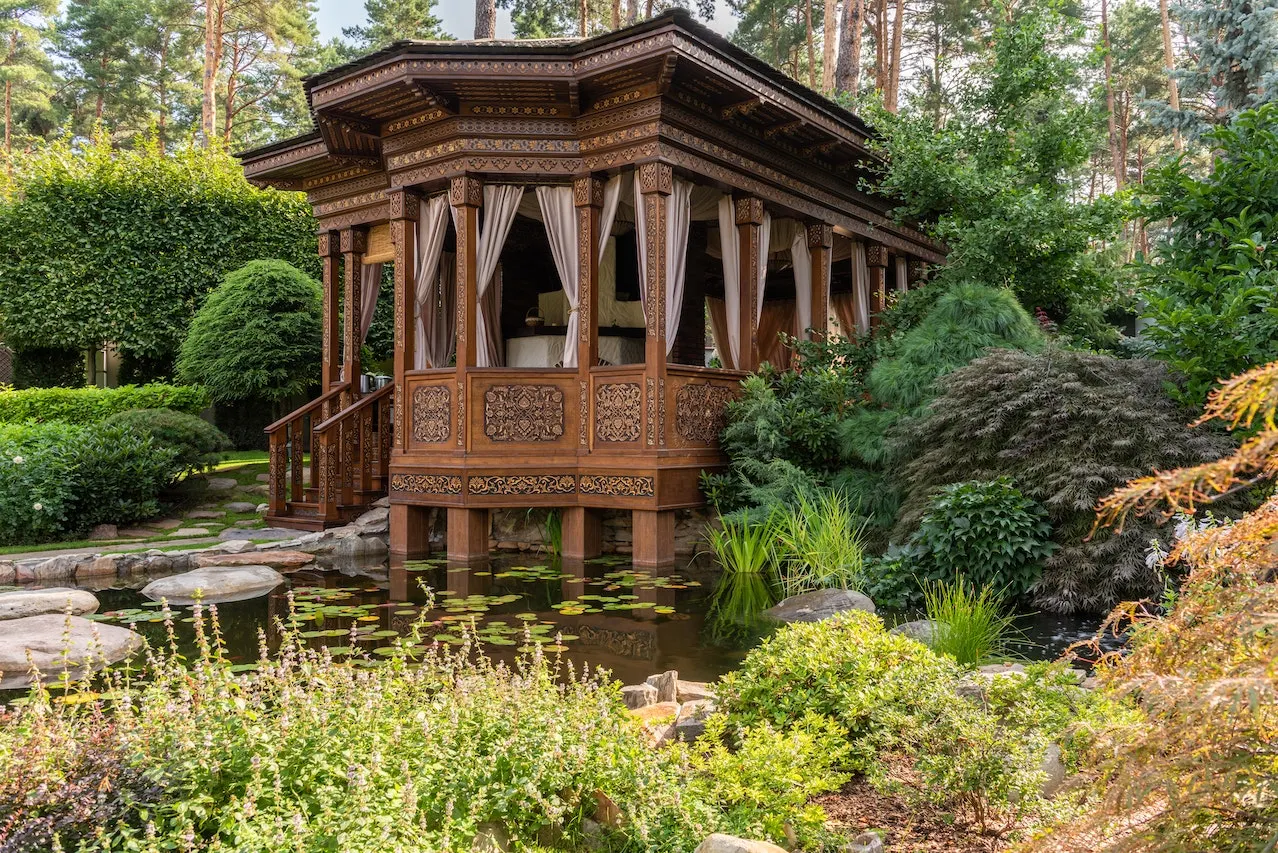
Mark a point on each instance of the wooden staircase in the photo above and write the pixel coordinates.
(345, 451)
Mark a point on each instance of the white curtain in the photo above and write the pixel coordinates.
(370, 284)
(432, 291)
(801, 259)
(765, 246)
(860, 287)
(730, 249)
(678, 211)
(902, 275)
(611, 202)
(501, 204)
(560, 217)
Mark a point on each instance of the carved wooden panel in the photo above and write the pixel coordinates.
(432, 413)
(699, 412)
(617, 485)
(522, 484)
(426, 484)
(618, 412)
(523, 413)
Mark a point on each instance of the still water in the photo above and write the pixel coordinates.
(603, 613)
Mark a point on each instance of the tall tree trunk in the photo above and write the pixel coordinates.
(807, 20)
(212, 60)
(647, 10)
(1115, 157)
(616, 14)
(485, 19)
(847, 75)
(232, 85)
(8, 101)
(1169, 61)
(894, 59)
(583, 12)
(162, 93)
(880, 46)
(632, 11)
(99, 105)
(829, 39)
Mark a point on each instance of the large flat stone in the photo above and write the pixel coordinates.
(279, 560)
(87, 645)
(215, 584)
(817, 605)
(720, 843)
(36, 602)
(264, 533)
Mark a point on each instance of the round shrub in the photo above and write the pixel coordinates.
(257, 337)
(194, 441)
(1068, 427)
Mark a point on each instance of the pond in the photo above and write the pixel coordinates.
(601, 613)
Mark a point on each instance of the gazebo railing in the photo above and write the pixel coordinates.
(290, 439)
(351, 453)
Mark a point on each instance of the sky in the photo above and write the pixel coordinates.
(458, 17)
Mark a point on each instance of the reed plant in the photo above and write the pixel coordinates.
(969, 624)
(745, 542)
(821, 540)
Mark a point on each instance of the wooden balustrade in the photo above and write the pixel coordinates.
(353, 452)
(290, 439)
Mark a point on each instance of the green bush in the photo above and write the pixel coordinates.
(48, 367)
(91, 405)
(1068, 427)
(986, 533)
(195, 441)
(123, 244)
(257, 337)
(59, 480)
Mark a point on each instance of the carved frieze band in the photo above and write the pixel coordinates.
(522, 484)
(617, 485)
(432, 414)
(523, 413)
(426, 484)
(699, 412)
(618, 412)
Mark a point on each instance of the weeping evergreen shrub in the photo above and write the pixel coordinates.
(1068, 427)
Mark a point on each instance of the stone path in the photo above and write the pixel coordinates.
(114, 549)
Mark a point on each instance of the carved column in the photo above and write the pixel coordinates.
(749, 225)
(655, 183)
(354, 245)
(820, 243)
(403, 228)
(330, 251)
(876, 259)
(581, 525)
(918, 272)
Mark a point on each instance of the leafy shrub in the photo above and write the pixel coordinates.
(195, 441)
(91, 405)
(1213, 279)
(986, 533)
(422, 752)
(58, 480)
(1067, 427)
(172, 223)
(48, 367)
(257, 337)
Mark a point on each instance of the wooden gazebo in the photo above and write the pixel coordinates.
(575, 228)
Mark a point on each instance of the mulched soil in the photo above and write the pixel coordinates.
(906, 827)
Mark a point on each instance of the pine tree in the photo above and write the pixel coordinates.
(396, 20)
(168, 66)
(96, 38)
(24, 67)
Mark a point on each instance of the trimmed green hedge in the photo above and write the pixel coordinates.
(91, 405)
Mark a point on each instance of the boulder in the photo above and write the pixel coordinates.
(215, 584)
(269, 533)
(189, 531)
(922, 630)
(87, 646)
(382, 502)
(658, 721)
(278, 560)
(8, 571)
(691, 722)
(222, 484)
(818, 605)
(104, 531)
(165, 524)
(206, 514)
(376, 520)
(1053, 767)
(264, 478)
(667, 684)
(241, 506)
(866, 842)
(262, 508)
(639, 695)
(720, 843)
(57, 568)
(694, 691)
(102, 566)
(35, 602)
(358, 547)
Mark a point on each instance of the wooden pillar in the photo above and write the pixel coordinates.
(582, 533)
(749, 224)
(354, 245)
(876, 260)
(652, 532)
(466, 196)
(467, 534)
(820, 244)
(403, 228)
(410, 531)
(581, 525)
(917, 272)
(655, 183)
(330, 251)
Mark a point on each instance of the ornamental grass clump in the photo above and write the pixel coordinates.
(819, 543)
(969, 624)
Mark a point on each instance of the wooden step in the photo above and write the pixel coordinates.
(304, 515)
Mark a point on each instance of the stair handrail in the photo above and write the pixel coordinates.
(362, 403)
(333, 392)
(344, 456)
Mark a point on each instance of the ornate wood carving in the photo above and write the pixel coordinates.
(617, 485)
(403, 205)
(523, 413)
(699, 412)
(651, 411)
(522, 484)
(876, 255)
(584, 409)
(465, 191)
(414, 121)
(749, 210)
(656, 178)
(820, 235)
(356, 239)
(618, 412)
(426, 484)
(432, 414)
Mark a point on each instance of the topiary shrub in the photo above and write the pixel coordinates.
(1068, 427)
(48, 367)
(257, 337)
(91, 405)
(194, 441)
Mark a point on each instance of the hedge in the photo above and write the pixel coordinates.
(91, 405)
